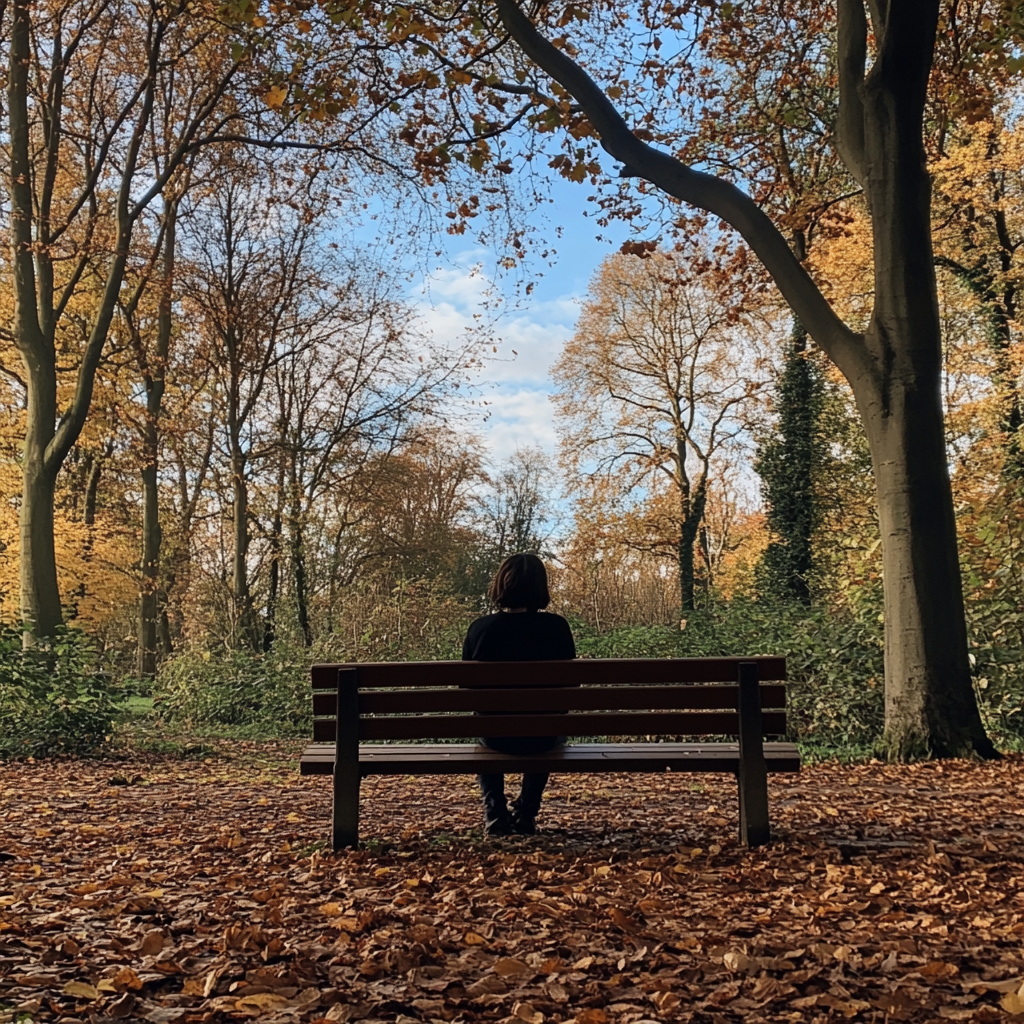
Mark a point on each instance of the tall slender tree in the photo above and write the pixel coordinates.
(652, 389)
(788, 462)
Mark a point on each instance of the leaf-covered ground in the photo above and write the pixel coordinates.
(173, 890)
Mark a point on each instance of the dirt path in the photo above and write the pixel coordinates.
(200, 891)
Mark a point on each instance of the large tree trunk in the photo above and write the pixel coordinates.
(930, 703)
(692, 507)
(40, 595)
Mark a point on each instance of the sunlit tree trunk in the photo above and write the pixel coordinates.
(155, 381)
(297, 560)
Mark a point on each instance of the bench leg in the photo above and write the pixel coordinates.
(753, 770)
(345, 824)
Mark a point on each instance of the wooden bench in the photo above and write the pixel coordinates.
(615, 697)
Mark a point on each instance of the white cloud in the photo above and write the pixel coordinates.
(518, 419)
(515, 381)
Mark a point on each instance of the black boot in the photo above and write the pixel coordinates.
(497, 820)
(526, 807)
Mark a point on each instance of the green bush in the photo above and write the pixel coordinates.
(993, 559)
(262, 693)
(53, 698)
(835, 691)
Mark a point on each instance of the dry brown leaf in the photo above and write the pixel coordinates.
(262, 1001)
(526, 1012)
(126, 980)
(80, 990)
(509, 967)
(1012, 1002)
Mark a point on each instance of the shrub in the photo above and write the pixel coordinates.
(53, 698)
(264, 693)
(835, 690)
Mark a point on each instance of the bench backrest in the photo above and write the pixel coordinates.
(585, 697)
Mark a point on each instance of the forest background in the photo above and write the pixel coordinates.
(277, 463)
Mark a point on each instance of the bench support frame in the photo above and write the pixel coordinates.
(345, 821)
(752, 776)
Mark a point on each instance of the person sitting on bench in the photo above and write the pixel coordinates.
(519, 631)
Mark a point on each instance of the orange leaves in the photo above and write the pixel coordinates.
(490, 932)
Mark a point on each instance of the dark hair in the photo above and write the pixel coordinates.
(520, 582)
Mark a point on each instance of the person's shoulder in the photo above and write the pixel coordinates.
(483, 622)
(555, 623)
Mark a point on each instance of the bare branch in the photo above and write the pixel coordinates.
(721, 198)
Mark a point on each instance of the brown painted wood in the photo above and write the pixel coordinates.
(603, 698)
(753, 771)
(666, 723)
(347, 772)
(471, 759)
(582, 671)
(324, 677)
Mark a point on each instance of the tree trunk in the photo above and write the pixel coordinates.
(92, 490)
(274, 585)
(692, 507)
(155, 374)
(931, 708)
(40, 595)
(298, 566)
(246, 630)
(149, 596)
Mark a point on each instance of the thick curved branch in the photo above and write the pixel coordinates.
(853, 52)
(721, 198)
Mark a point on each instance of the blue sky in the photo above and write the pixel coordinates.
(530, 331)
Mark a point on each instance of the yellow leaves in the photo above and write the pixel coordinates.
(275, 97)
(472, 938)
(1012, 1002)
(937, 970)
(739, 962)
(621, 919)
(81, 990)
(331, 909)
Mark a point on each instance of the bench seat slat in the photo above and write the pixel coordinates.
(582, 671)
(684, 723)
(591, 698)
(471, 759)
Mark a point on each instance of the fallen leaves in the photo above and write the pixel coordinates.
(202, 893)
